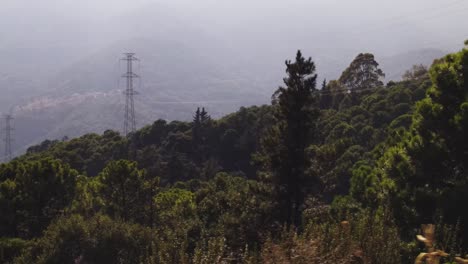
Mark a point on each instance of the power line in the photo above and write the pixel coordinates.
(345, 90)
(322, 92)
(129, 120)
(206, 101)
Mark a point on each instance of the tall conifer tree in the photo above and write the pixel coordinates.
(297, 113)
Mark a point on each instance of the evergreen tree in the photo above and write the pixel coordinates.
(296, 115)
(204, 117)
(325, 96)
(196, 127)
(196, 117)
(200, 135)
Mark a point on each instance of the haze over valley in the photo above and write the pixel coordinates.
(59, 73)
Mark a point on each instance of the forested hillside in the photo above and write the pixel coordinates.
(338, 171)
(87, 98)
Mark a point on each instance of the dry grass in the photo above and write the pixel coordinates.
(433, 255)
(364, 240)
(334, 245)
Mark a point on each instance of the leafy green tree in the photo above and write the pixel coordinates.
(43, 146)
(296, 112)
(125, 191)
(177, 222)
(74, 239)
(88, 154)
(180, 168)
(32, 194)
(362, 73)
(240, 136)
(423, 175)
(438, 147)
(235, 208)
(153, 134)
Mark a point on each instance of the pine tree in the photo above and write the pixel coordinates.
(204, 117)
(325, 96)
(196, 125)
(196, 135)
(200, 135)
(196, 117)
(296, 114)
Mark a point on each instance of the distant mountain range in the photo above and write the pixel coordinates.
(56, 89)
(175, 80)
(395, 66)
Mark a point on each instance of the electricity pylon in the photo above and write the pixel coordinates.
(129, 121)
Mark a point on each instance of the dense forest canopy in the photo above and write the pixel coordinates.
(339, 171)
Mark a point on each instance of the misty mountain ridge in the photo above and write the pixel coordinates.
(87, 97)
(61, 74)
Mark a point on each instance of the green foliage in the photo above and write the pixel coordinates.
(124, 190)
(297, 113)
(88, 154)
(384, 158)
(432, 181)
(422, 174)
(234, 208)
(32, 194)
(363, 72)
(96, 240)
(351, 134)
(175, 209)
(11, 247)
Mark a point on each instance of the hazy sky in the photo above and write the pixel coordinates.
(65, 40)
(360, 18)
(244, 8)
(62, 31)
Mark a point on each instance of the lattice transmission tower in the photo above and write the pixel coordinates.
(8, 137)
(130, 76)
